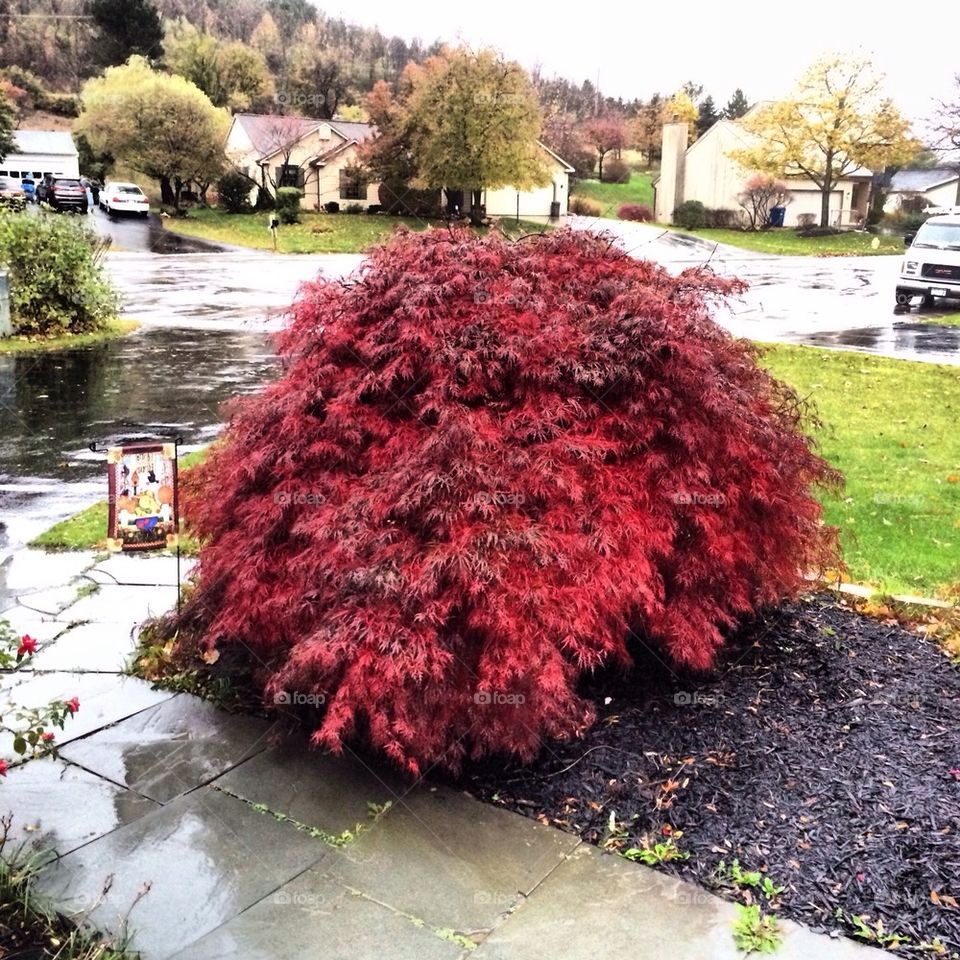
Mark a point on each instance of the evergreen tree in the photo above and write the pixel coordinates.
(736, 106)
(708, 115)
(127, 27)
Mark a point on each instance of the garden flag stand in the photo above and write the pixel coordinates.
(143, 503)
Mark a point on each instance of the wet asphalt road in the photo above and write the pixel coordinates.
(842, 302)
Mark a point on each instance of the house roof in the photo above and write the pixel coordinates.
(55, 142)
(918, 181)
(566, 166)
(266, 130)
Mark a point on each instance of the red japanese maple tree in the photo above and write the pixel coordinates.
(483, 463)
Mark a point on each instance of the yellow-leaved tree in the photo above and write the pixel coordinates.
(680, 108)
(158, 124)
(837, 120)
(472, 121)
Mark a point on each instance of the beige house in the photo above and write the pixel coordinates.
(320, 158)
(938, 187)
(704, 171)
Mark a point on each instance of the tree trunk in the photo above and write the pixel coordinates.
(476, 213)
(177, 190)
(825, 192)
(600, 168)
(167, 197)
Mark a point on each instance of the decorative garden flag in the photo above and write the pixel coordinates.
(143, 497)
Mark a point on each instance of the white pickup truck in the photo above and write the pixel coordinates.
(931, 267)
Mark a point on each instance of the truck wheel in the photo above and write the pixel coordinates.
(927, 303)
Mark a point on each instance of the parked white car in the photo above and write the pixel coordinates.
(931, 268)
(119, 197)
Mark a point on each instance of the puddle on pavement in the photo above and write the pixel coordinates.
(157, 383)
(901, 338)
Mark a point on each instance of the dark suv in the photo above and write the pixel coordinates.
(63, 194)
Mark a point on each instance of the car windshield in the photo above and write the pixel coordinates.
(939, 236)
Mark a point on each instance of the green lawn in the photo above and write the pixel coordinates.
(786, 241)
(611, 195)
(117, 328)
(890, 426)
(950, 320)
(316, 233)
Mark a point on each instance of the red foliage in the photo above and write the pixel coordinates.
(483, 463)
(635, 211)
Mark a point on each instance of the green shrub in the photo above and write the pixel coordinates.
(691, 215)
(233, 189)
(584, 207)
(288, 204)
(265, 199)
(353, 208)
(723, 218)
(62, 104)
(331, 206)
(374, 208)
(913, 222)
(56, 279)
(616, 171)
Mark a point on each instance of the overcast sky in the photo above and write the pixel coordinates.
(641, 49)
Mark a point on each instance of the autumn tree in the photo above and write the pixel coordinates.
(388, 156)
(518, 456)
(127, 28)
(158, 124)
(945, 125)
(563, 133)
(319, 74)
(232, 74)
(471, 122)
(680, 108)
(736, 106)
(838, 120)
(605, 134)
(646, 128)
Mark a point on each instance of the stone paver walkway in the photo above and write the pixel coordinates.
(204, 836)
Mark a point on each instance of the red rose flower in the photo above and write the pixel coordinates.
(73, 705)
(666, 829)
(27, 645)
(47, 737)
(3, 768)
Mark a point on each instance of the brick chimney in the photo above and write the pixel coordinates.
(670, 188)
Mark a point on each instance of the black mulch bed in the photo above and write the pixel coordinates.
(828, 758)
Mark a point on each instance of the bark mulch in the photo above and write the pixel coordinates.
(824, 752)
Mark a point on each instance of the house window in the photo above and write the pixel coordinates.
(290, 175)
(352, 186)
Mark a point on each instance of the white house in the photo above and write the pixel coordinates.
(316, 156)
(538, 203)
(40, 153)
(938, 187)
(320, 158)
(706, 172)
